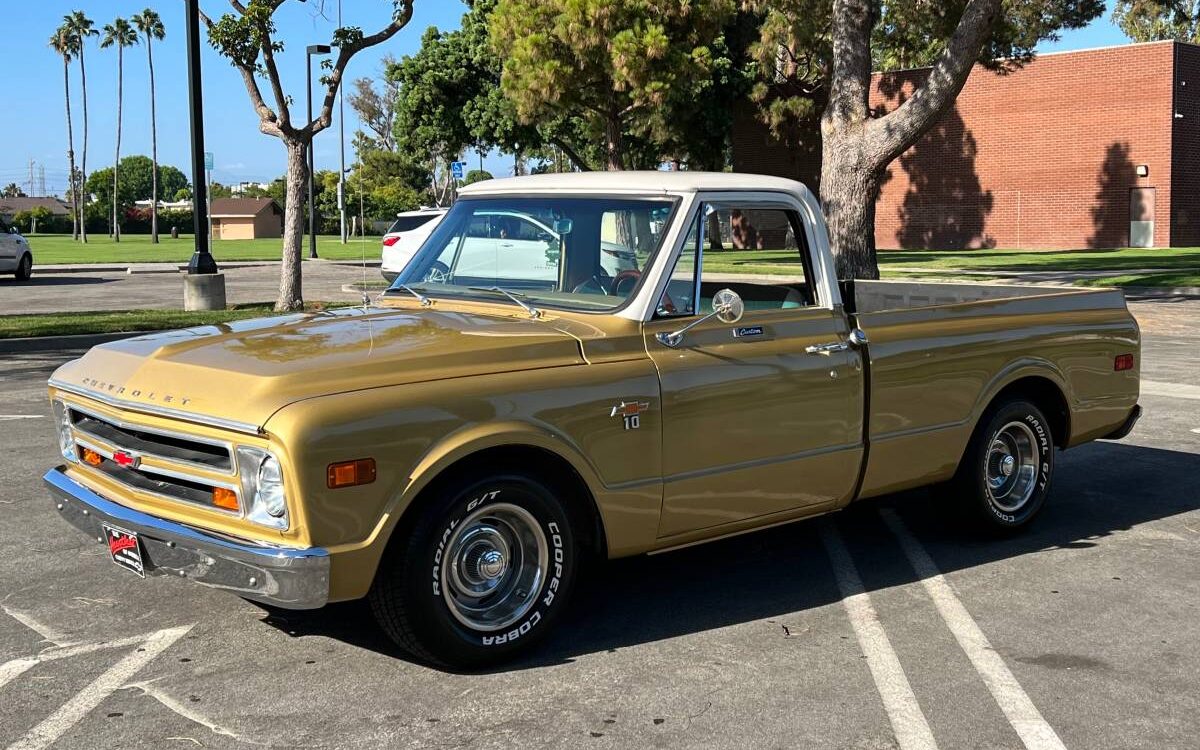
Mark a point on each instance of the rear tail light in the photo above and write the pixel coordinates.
(350, 473)
(389, 241)
(1123, 362)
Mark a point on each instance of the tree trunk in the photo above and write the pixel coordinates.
(116, 219)
(83, 156)
(290, 294)
(153, 151)
(849, 186)
(71, 192)
(612, 143)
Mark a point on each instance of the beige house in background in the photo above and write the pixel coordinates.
(246, 218)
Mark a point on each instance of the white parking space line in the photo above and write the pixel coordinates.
(14, 417)
(83, 702)
(908, 721)
(10, 670)
(1173, 390)
(1024, 717)
(45, 631)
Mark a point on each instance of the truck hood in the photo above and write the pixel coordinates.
(239, 374)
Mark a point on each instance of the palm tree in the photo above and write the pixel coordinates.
(80, 27)
(63, 42)
(121, 34)
(151, 26)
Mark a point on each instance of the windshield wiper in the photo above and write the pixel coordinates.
(425, 301)
(533, 311)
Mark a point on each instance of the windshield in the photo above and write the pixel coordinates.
(577, 253)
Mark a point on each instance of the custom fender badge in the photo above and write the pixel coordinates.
(630, 412)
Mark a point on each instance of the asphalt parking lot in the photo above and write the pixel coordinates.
(881, 626)
(87, 289)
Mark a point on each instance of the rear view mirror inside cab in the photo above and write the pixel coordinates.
(563, 226)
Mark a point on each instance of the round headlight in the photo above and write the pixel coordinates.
(270, 487)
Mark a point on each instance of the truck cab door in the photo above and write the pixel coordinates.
(762, 419)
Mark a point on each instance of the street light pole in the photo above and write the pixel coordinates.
(202, 261)
(313, 49)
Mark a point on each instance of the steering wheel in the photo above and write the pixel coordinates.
(438, 273)
(633, 275)
(593, 284)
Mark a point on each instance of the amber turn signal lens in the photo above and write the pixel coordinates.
(1123, 362)
(92, 458)
(225, 498)
(350, 473)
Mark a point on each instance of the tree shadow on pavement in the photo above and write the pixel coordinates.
(1100, 489)
(63, 280)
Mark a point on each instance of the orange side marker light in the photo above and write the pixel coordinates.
(350, 473)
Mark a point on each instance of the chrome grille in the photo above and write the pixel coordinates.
(179, 449)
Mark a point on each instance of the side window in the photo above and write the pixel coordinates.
(765, 246)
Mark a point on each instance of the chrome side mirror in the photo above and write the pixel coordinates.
(728, 307)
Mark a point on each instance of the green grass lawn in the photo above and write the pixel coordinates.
(118, 321)
(136, 248)
(768, 261)
(1150, 279)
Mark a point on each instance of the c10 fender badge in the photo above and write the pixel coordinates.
(739, 333)
(630, 412)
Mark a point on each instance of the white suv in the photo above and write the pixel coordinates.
(405, 237)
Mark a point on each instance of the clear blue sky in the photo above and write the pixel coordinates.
(34, 125)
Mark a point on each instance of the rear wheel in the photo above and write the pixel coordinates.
(1004, 477)
(481, 575)
(24, 268)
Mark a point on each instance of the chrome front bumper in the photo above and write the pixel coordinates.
(281, 576)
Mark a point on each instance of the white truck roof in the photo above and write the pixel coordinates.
(634, 181)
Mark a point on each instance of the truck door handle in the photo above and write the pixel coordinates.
(835, 346)
(857, 339)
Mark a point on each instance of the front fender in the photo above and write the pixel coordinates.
(416, 432)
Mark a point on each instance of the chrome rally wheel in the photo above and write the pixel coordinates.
(497, 560)
(1012, 466)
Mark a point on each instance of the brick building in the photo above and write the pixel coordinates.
(1096, 148)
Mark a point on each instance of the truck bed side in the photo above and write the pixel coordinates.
(940, 353)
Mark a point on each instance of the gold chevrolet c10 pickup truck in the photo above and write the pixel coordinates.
(566, 370)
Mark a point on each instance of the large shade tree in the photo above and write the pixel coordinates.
(64, 43)
(1156, 20)
(151, 27)
(246, 36)
(615, 63)
(817, 58)
(138, 177)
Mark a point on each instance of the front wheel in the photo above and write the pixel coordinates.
(1004, 477)
(482, 573)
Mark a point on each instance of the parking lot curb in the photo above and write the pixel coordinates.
(57, 343)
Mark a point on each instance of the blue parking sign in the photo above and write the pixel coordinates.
(456, 169)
